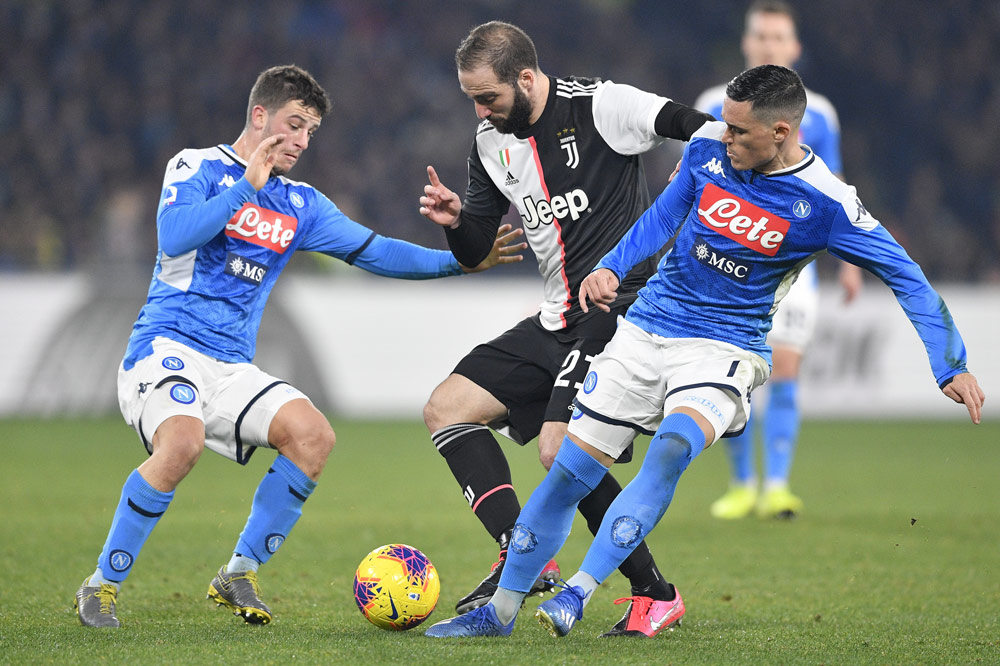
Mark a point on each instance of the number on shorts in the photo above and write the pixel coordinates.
(568, 365)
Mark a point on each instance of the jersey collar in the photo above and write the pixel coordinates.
(228, 150)
(795, 168)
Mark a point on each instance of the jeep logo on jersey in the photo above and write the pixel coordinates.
(707, 255)
(741, 221)
(558, 207)
(245, 269)
(262, 226)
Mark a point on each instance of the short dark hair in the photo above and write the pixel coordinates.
(774, 93)
(504, 47)
(771, 7)
(279, 85)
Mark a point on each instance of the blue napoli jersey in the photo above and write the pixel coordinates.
(223, 244)
(743, 238)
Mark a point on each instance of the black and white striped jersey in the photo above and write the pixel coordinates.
(576, 178)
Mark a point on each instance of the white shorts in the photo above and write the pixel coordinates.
(640, 377)
(235, 401)
(795, 320)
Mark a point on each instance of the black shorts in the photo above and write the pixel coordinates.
(536, 373)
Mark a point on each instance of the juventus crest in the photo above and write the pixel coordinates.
(567, 141)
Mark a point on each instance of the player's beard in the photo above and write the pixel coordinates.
(519, 118)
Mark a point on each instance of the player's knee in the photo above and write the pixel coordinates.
(314, 446)
(309, 445)
(548, 447)
(432, 414)
(442, 409)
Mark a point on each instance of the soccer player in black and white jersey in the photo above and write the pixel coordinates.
(565, 152)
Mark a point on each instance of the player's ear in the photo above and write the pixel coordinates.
(781, 131)
(258, 117)
(526, 79)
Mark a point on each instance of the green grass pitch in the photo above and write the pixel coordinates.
(896, 559)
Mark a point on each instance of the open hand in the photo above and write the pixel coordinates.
(504, 251)
(262, 161)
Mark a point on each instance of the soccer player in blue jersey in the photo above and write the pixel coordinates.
(770, 38)
(750, 206)
(228, 222)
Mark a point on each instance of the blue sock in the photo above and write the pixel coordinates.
(139, 509)
(277, 505)
(741, 450)
(641, 504)
(546, 518)
(781, 430)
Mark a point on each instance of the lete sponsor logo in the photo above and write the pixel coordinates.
(741, 221)
(262, 226)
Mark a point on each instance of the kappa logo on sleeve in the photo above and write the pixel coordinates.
(262, 226)
(741, 221)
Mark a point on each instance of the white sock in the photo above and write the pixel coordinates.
(506, 603)
(98, 579)
(241, 563)
(585, 581)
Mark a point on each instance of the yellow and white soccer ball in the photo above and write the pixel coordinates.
(396, 587)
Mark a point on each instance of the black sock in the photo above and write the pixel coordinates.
(478, 464)
(639, 567)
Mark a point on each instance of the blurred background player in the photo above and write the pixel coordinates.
(770, 38)
(228, 222)
(565, 152)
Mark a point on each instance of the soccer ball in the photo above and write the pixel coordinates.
(396, 587)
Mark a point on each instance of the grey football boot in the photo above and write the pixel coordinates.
(240, 593)
(95, 605)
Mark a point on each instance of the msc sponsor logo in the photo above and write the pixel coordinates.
(557, 208)
(245, 269)
(741, 221)
(262, 226)
(707, 255)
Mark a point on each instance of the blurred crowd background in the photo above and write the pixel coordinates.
(97, 95)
